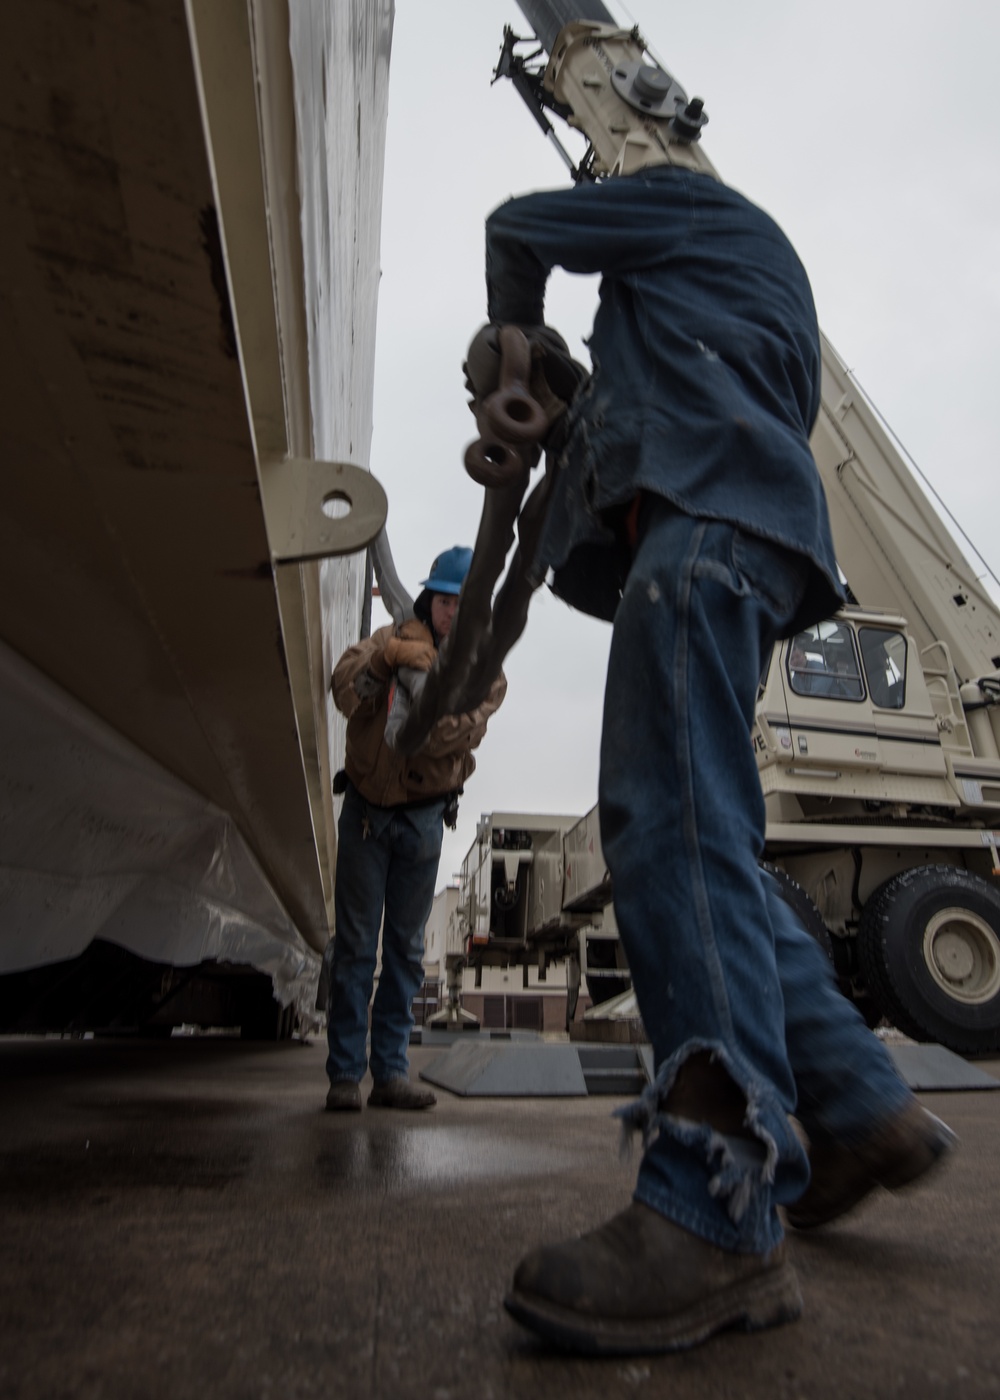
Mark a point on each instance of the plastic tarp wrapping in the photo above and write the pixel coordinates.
(340, 60)
(98, 841)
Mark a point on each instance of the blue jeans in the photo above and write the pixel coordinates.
(387, 860)
(719, 963)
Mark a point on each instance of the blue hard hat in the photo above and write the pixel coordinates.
(449, 570)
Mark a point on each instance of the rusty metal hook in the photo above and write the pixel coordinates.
(493, 463)
(511, 411)
(510, 419)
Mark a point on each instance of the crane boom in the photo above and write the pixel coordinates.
(548, 17)
(891, 543)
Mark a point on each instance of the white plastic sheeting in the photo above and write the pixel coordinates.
(98, 841)
(340, 59)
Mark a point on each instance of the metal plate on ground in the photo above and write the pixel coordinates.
(927, 1068)
(512, 1070)
(924, 1067)
(427, 1035)
(529, 1068)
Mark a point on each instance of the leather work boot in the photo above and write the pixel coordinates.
(343, 1096)
(901, 1151)
(640, 1284)
(400, 1093)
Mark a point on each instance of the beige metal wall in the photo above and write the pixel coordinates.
(156, 381)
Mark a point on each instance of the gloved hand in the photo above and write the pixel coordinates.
(418, 655)
(555, 377)
(564, 375)
(372, 682)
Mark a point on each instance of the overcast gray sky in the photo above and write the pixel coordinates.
(869, 130)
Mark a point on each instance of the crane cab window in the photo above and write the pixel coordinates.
(823, 662)
(884, 655)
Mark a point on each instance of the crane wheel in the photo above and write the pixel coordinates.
(812, 921)
(801, 905)
(929, 946)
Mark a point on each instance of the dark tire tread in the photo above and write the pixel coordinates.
(884, 927)
(801, 904)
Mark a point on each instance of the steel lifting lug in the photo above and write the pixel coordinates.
(512, 413)
(510, 420)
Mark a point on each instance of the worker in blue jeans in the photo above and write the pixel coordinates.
(390, 833)
(687, 509)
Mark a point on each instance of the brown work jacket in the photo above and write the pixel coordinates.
(382, 776)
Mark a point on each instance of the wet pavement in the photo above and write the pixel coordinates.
(182, 1219)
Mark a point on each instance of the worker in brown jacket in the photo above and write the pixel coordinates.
(390, 833)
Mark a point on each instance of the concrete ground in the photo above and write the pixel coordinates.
(183, 1219)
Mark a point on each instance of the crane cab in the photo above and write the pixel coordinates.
(852, 722)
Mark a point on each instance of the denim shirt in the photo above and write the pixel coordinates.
(706, 370)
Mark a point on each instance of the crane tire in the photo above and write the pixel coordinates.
(812, 921)
(800, 904)
(929, 946)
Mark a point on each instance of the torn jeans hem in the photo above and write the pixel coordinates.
(736, 1174)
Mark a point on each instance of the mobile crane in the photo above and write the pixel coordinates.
(877, 732)
(876, 739)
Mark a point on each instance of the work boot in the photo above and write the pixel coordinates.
(400, 1093)
(640, 1283)
(343, 1096)
(899, 1152)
